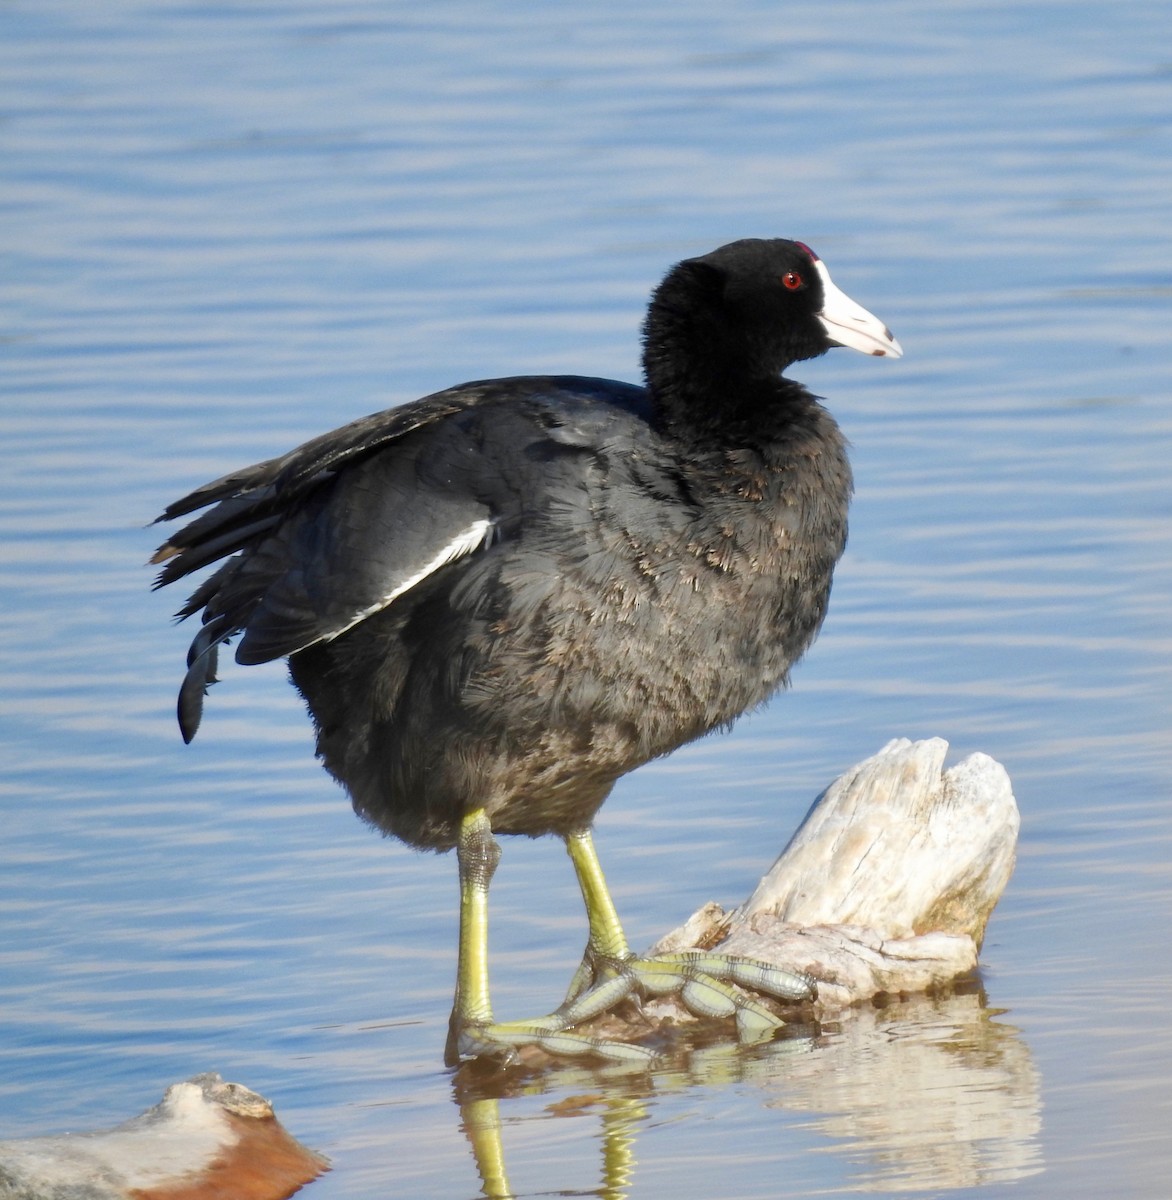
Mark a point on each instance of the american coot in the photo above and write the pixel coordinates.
(502, 597)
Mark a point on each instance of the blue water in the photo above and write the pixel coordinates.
(226, 228)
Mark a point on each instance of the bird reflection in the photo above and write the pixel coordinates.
(481, 1120)
(621, 1097)
(968, 1111)
(620, 1118)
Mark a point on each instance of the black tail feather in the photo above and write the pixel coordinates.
(195, 554)
(202, 660)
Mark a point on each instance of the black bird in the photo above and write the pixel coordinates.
(500, 598)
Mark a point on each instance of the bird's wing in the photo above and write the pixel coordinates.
(243, 497)
(349, 550)
(325, 536)
(322, 537)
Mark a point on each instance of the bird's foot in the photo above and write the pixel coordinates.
(469, 1037)
(703, 982)
(502, 1040)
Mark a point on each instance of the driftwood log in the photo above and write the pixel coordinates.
(885, 889)
(204, 1139)
(888, 884)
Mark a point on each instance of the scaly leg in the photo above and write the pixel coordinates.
(472, 1032)
(610, 971)
(701, 978)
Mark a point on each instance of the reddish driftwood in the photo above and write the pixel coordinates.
(204, 1139)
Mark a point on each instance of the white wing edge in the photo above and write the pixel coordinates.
(477, 535)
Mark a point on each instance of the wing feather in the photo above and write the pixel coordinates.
(316, 541)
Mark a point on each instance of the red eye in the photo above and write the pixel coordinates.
(791, 280)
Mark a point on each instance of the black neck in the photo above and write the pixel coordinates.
(704, 391)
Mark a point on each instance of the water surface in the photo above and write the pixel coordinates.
(227, 228)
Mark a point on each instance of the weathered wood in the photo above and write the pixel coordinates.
(204, 1139)
(888, 884)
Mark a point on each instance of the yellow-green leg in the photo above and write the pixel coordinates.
(472, 1032)
(610, 971)
(478, 853)
(701, 978)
